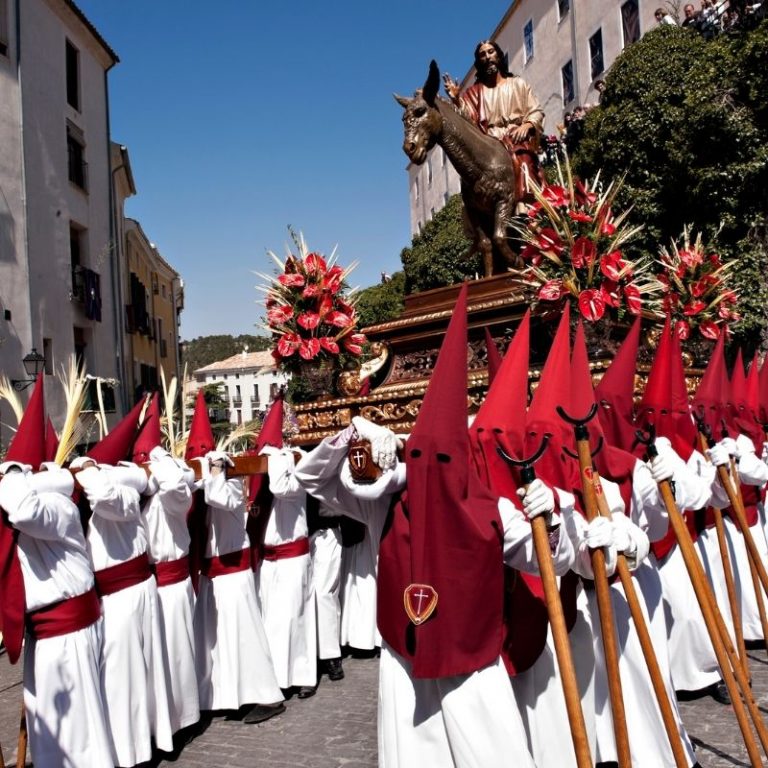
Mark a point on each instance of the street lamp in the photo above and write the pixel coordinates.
(33, 363)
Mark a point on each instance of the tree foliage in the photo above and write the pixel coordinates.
(381, 302)
(437, 255)
(686, 120)
(205, 350)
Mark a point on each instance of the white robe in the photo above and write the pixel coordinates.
(468, 721)
(165, 518)
(133, 672)
(359, 564)
(285, 586)
(325, 548)
(232, 652)
(62, 690)
(648, 741)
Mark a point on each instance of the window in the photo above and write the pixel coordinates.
(567, 77)
(76, 165)
(4, 27)
(416, 189)
(75, 244)
(528, 40)
(48, 355)
(72, 56)
(630, 22)
(429, 171)
(596, 54)
(563, 6)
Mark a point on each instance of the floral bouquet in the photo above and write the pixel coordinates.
(573, 245)
(310, 312)
(696, 292)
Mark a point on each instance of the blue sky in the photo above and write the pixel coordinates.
(244, 117)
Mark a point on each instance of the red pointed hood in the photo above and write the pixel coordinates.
(28, 444)
(51, 441)
(443, 504)
(743, 408)
(150, 435)
(271, 433)
(657, 395)
(27, 447)
(116, 446)
(615, 394)
(712, 393)
(494, 358)
(685, 432)
(611, 461)
(501, 418)
(542, 418)
(200, 440)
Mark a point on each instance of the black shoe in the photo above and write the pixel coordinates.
(334, 669)
(306, 691)
(261, 712)
(719, 692)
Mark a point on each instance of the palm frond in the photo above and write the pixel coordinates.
(11, 396)
(72, 378)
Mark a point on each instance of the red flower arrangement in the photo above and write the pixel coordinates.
(573, 246)
(696, 291)
(310, 313)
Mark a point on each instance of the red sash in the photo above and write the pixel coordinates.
(232, 562)
(69, 615)
(289, 549)
(123, 575)
(172, 571)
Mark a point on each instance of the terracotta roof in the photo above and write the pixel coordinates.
(240, 362)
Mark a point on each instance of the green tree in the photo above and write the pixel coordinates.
(437, 255)
(382, 302)
(686, 120)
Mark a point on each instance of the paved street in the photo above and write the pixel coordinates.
(338, 727)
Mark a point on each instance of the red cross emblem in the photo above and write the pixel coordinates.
(420, 602)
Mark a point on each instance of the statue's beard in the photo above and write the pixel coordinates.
(491, 69)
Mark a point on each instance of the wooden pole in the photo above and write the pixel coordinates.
(562, 644)
(556, 620)
(604, 604)
(730, 584)
(646, 643)
(21, 751)
(730, 666)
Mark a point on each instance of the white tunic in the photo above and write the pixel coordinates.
(285, 586)
(64, 669)
(325, 545)
(233, 659)
(133, 670)
(466, 721)
(165, 518)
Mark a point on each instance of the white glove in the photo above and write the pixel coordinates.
(269, 450)
(7, 466)
(537, 500)
(664, 446)
(599, 533)
(718, 455)
(764, 455)
(662, 467)
(219, 457)
(621, 538)
(79, 461)
(157, 453)
(731, 446)
(383, 442)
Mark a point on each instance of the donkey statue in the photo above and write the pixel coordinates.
(488, 188)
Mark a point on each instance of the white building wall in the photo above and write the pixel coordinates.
(37, 200)
(556, 41)
(246, 405)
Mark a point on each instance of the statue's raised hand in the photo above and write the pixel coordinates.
(452, 88)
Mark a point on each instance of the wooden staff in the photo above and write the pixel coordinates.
(646, 643)
(21, 751)
(705, 442)
(730, 666)
(603, 591)
(556, 615)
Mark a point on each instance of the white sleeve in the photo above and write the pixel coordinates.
(642, 545)
(648, 510)
(519, 550)
(173, 492)
(221, 493)
(752, 470)
(106, 498)
(27, 511)
(282, 476)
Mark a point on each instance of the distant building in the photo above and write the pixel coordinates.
(561, 48)
(250, 380)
